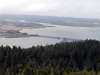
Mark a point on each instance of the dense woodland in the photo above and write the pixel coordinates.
(68, 58)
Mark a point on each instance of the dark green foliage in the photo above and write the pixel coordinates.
(51, 59)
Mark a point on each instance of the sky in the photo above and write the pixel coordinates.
(66, 8)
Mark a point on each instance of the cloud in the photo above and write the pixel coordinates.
(68, 8)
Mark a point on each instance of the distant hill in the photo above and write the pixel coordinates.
(67, 21)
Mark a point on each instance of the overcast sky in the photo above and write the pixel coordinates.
(68, 8)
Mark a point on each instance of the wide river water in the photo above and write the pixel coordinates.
(70, 32)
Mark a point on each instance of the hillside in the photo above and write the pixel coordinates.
(57, 59)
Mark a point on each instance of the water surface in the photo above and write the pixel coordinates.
(70, 32)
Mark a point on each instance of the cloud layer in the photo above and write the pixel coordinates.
(68, 8)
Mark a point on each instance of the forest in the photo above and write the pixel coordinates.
(65, 58)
